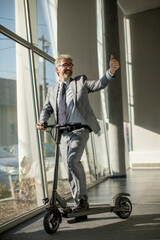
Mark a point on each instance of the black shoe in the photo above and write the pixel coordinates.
(82, 205)
(78, 219)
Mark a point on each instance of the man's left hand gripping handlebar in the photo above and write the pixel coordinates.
(41, 126)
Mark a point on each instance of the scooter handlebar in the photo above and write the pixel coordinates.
(65, 126)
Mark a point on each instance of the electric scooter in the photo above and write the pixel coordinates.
(120, 205)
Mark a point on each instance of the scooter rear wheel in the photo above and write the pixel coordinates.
(51, 221)
(124, 202)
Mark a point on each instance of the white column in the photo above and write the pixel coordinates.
(27, 135)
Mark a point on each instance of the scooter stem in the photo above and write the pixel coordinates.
(55, 179)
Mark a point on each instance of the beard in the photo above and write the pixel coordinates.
(67, 73)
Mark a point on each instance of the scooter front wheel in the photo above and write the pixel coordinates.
(126, 206)
(51, 221)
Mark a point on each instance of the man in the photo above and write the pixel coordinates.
(69, 102)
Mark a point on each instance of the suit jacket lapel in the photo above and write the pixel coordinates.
(74, 90)
(55, 92)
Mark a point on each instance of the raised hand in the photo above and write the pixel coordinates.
(114, 64)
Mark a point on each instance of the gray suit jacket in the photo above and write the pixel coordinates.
(81, 87)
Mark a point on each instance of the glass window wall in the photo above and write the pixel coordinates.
(20, 176)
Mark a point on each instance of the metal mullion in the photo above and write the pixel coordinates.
(94, 155)
(107, 145)
(43, 54)
(15, 37)
(28, 21)
(25, 43)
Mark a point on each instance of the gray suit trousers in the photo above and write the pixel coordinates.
(72, 145)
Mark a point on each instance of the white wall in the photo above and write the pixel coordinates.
(145, 86)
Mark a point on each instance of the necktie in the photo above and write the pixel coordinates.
(62, 105)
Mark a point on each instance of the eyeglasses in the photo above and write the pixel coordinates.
(66, 65)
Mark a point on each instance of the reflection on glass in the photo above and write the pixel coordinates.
(44, 25)
(45, 75)
(20, 178)
(11, 18)
(7, 14)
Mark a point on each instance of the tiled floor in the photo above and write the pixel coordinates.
(144, 222)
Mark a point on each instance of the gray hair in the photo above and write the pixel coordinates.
(60, 57)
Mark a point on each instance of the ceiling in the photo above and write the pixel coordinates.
(136, 6)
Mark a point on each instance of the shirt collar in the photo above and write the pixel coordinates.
(66, 82)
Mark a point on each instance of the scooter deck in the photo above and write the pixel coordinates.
(94, 210)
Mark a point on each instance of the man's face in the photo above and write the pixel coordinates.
(65, 69)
